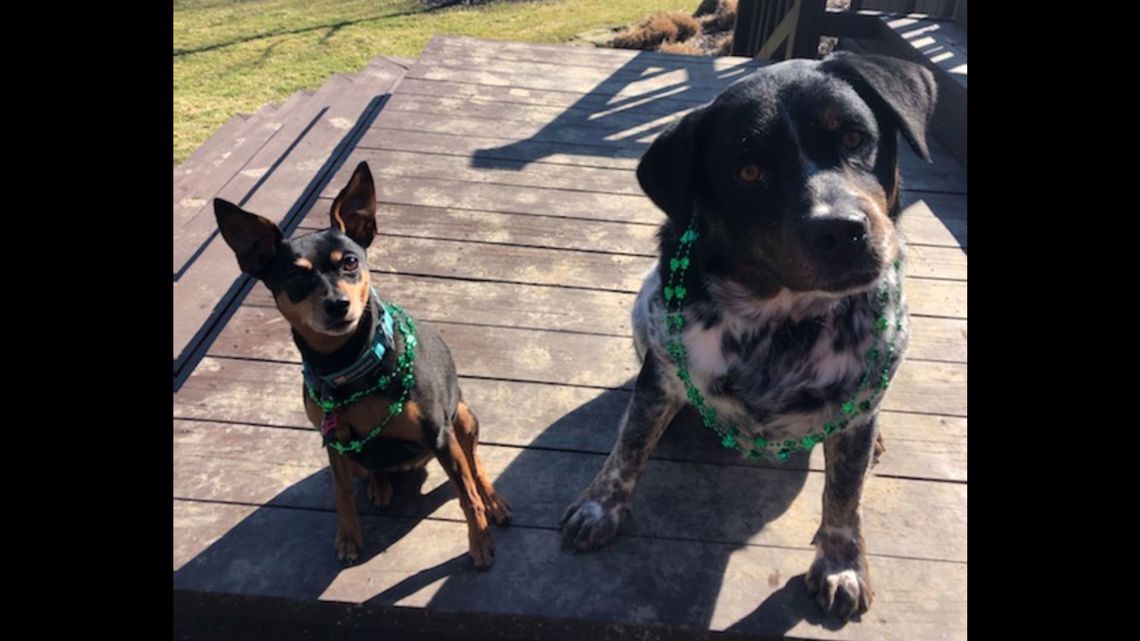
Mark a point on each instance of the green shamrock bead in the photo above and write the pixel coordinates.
(828, 428)
(668, 293)
(395, 408)
(679, 292)
(783, 455)
(873, 354)
(881, 323)
(849, 408)
(865, 406)
(728, 441)
(755, 455)
(759, 443)
(674, 264)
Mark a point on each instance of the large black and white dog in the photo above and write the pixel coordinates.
(792, 175)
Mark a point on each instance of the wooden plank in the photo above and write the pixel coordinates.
(661, 103)
(557, 417)
(509, 304)
(570, 268)
(509, 229)
(437, 300)
(919, 224)
(936, 262)
(504, 172)
(568, 359)
(934, 219)
(603, 58)
(499, 148)
(432, 192)
(222, 140)
(637, 77)
(420, 564)
(594, 236)
(262, 465)
(585, 133)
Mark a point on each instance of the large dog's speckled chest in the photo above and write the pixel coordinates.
(778, 369)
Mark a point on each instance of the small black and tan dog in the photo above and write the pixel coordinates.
(788, 182)
(382, 390)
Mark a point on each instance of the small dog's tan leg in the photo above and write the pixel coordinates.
(466, 426)
(454, 462)
(379, 489)
(349, 540)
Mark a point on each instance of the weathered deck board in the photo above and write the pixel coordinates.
(263, 465)
(555, 417)
(267, 550)
(511, 221)
(586, 311)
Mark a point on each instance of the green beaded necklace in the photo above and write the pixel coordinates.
(404, 373)
(674, 294)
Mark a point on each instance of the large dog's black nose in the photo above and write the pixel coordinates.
(837, 237)
(337, 307)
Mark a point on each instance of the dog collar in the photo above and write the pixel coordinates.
(874, 382)
(366, 363)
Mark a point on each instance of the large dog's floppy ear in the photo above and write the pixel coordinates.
(255, 240)
(666, 170)
(354, 210)
(905, 90)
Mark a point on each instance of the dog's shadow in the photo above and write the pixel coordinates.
(695, 504)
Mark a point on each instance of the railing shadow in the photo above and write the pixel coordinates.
(622, 114)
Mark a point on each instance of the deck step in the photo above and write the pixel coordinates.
(191, 203)
(201, 155)
(285, 173)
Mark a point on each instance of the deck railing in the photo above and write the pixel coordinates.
(782, 29)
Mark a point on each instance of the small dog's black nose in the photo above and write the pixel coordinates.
(336, 308)
(837, 236)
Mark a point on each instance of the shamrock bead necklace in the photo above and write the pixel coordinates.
(404, 373)
(757, 448)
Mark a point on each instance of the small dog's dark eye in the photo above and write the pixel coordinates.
(750, 172)
(852, 139)
(350, 263)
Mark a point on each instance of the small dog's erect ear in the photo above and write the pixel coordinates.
(254, 239)
(906, 90)
(354, 210)
(666, 170)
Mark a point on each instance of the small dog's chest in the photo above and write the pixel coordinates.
(398, 447)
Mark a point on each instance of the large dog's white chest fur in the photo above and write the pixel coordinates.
(761, 399)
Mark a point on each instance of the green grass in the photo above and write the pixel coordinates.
(234, 56)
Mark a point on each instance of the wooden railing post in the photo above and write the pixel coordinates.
(804, 40)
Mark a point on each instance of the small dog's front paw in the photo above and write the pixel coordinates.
(481, 548)
(498, 509)
(379, 489)
(586, 525)
(348, 544)
(841, 588)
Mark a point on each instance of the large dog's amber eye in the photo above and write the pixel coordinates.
(852, 139)
(750, 173)
(350, 263)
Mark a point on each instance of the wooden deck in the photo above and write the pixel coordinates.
(511, 220)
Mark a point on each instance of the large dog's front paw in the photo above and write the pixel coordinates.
(348, 543)
(588, 523)
(841, 587)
